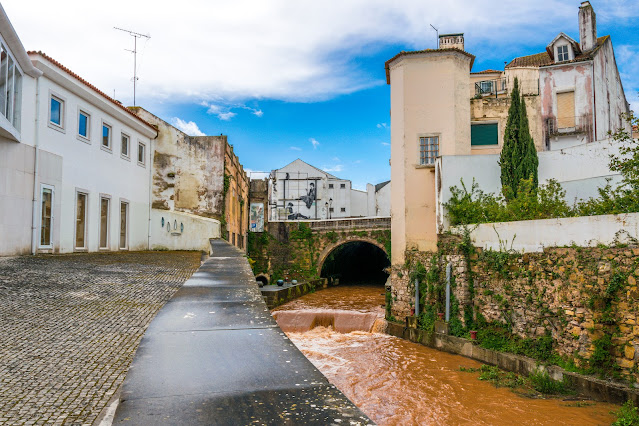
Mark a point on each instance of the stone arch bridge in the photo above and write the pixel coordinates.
(303, 249)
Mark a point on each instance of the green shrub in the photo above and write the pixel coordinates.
(627, 415)
(543, 383)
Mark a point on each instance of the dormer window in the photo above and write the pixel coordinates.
(562, 53)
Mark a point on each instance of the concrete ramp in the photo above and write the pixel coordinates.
(215, 356)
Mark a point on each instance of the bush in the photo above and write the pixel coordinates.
(627, 415)
(542, 383)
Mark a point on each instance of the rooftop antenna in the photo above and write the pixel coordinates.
(436, 32)
(135, 36)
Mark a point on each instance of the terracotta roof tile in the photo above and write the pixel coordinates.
(91, 86)
(544, 59)
(487, 72)
(417, 52)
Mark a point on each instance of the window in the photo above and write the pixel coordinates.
(486, 86)
(124, 221)
(83, 124)
(104, 222)
(562, 53)
(80, 220)
(343, 209)
(428, 150)
(484, 134)
(124, 151)
(141, 153)
(56, 111)
(565, 110)
(330, 186)
(106, 136)
(331, 209)
(342, 185)
(46, 216)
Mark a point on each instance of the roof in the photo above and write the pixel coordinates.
(419, 52)
(381, 185)
(310, 165)
(90, 86)
(450, 35)
(544, 59)
(487, 72)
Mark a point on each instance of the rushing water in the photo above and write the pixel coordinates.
(396, 382)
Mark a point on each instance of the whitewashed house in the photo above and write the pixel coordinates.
(74, 163)
(299, 191)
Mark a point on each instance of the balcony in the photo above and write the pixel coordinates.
(491, 87)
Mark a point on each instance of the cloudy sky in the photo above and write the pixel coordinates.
(287, 79)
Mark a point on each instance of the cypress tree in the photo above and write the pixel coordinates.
(518, 159)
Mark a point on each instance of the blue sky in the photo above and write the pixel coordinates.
(291, 79)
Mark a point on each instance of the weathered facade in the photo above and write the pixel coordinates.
(198, 175)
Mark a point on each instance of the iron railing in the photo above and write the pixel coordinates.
(345, 224)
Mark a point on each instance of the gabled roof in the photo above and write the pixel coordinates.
(575, 45)
(487, 72)
(543, 59)
(318, 169)
(427, 51)
(381, 185)
(89, 85)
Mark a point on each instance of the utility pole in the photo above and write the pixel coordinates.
(437, 33)
(135, 36)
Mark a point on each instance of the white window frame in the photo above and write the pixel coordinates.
(561, 54)
(143, 162)
(86, 138)
(86, 220)
(63, 112)
(52, 189)
(126, 156)
(108, 222)
(419, 149)
(128, 215)
(108, 148)
(8, 122)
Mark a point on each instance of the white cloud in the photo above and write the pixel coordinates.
(226, 116)
(295, 51)
(296, 148)
(314, 142)
(336, 159)
(382, 126)
(258, 113)
(190, 128)
(332, 169)
(385, 144)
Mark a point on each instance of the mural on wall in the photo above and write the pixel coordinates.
(299, 200)
(257, 217)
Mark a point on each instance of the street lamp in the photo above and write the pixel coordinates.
(330, 205)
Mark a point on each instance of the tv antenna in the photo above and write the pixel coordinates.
(437, 32)
(135, 36)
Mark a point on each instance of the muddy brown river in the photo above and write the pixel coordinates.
(396, 382)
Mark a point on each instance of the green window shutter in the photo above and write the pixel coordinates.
(483, 134)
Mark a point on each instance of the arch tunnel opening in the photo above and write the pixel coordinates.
(356, 262)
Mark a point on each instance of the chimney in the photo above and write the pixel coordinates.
(448, 41)
(587, 27)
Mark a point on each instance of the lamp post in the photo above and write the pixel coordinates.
(330, 206)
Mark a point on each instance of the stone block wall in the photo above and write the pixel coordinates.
(585, 298)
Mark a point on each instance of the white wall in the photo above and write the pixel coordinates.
(167, 232)
(382, 202)
(359, 204)
(88, 167)
(535, 235)
(580, 170)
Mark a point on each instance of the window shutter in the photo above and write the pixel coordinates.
(484, 134)
(565, 110)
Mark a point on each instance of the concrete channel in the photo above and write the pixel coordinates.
(214, 355)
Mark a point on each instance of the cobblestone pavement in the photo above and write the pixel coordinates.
(70, 325)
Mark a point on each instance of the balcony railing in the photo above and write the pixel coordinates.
(565, 126)
(491, 87)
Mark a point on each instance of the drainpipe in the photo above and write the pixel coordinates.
(148, 243)
(594, 104)
(448, 274)
(36, 163)
(416, 297)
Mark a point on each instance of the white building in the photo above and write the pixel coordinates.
(74, 163)
(300, 191)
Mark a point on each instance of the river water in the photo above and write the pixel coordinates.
(396, 382)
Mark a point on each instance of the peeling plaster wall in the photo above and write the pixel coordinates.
(610, 99)
(236, 199)
(496, 110)
(188, 171)
(528, 79)
(577, 77)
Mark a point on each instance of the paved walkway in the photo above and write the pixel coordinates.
(215, 356)
(70, 325)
